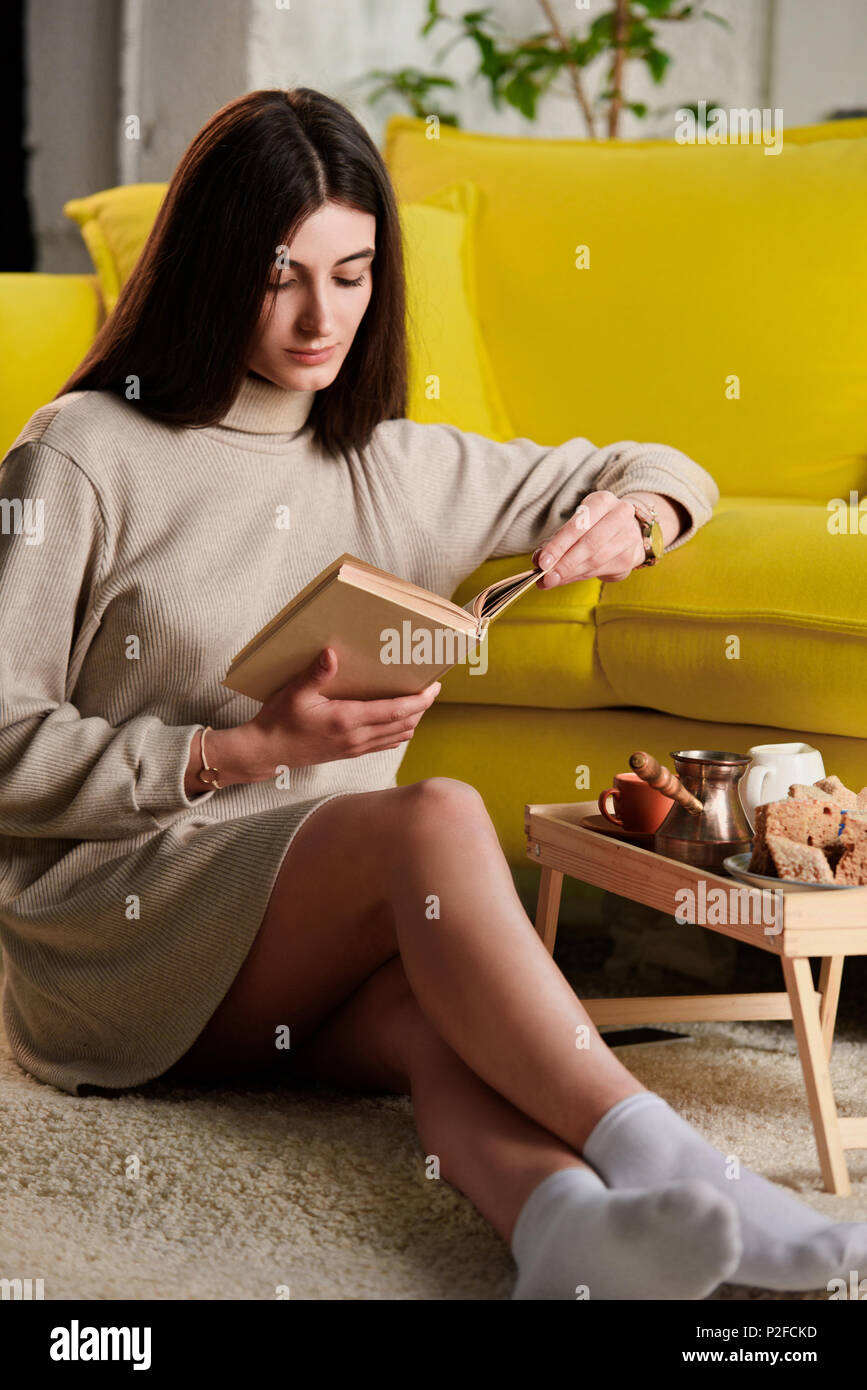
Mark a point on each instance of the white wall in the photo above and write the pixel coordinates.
(70, 119)
(92, 63)
(819, 58)
(181, 60)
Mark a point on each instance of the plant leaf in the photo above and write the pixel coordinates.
(657, 8)
(717, 19)
(433, 16)
(639, 36)
(521, 92)
(657, 61)
(602, 27)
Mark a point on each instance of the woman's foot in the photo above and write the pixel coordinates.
(786, 1245)
(575, 1239)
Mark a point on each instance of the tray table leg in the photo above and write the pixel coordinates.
(548, 907)
(830, 975)
(817, 1077)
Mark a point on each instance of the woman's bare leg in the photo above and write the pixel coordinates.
(359, 884)
(380, 1040)
(325, 961)
(677, 1240)
(483, 977)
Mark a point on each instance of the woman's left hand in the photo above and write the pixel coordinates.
(602, 539)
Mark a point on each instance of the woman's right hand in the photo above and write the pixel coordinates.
(299, 725)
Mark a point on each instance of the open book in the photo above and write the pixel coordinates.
(391, 637)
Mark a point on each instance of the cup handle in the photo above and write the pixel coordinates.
(603, 806)
(753, 783)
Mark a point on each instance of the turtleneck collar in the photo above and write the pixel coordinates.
(260, 407)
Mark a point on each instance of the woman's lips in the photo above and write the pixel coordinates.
(311, 357)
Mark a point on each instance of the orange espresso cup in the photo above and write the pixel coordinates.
(640, 806)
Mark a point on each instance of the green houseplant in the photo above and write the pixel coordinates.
(520, 71)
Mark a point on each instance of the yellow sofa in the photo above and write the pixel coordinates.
(719, 307)
(706, 263)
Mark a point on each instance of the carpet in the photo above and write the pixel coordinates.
(257, 1192)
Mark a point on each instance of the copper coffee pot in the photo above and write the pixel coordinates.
(707, 822)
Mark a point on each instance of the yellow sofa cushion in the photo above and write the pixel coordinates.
(762, 620)
(47, 323)
(115, 224)
(706, 262)
(451, 380)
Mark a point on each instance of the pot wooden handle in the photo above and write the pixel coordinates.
(649, 770)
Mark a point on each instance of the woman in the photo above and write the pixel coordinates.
(171, 905)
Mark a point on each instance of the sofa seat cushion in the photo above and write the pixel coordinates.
(762, 618)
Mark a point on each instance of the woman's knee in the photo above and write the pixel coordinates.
(446, 800)
(427, 813)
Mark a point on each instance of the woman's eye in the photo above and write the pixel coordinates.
(283, 284)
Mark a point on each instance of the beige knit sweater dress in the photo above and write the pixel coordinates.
(136, 558)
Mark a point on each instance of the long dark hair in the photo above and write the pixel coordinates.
(186, 319)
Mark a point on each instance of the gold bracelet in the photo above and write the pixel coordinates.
(215, 771)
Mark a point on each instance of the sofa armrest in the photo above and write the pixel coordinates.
(47, 323)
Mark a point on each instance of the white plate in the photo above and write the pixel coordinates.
(737, 867)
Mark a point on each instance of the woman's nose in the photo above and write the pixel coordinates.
(316, 315)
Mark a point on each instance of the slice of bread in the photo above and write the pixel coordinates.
(826, 819)
(760, 860)
(838, 790)
(800, 791)
(806, 863)
(807, 822)
(852, 864)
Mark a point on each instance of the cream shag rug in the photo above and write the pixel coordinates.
(243, 1190)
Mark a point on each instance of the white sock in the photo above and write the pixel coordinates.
(786, 1245)
(679, 1240)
